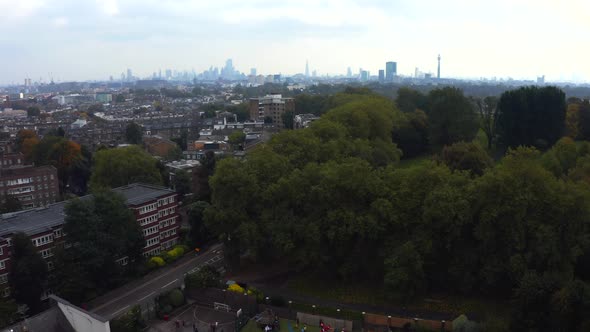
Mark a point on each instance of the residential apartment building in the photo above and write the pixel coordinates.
(32, 186)
(155, 208)
(271, 107)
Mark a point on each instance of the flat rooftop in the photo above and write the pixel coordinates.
(38, 220)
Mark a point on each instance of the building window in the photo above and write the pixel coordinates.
(46, 253)
(123, 261)
(50, 266)
(6, 292)
(43, 240)
(1, 251)
(3, 264)
(3, 279)
(57, 233)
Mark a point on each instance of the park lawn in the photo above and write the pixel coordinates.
(354, 293)
(251, 327)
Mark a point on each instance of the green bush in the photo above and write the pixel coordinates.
(156, 262)
(176, 298)
(167, 257)
(179, 250)
(206, 277)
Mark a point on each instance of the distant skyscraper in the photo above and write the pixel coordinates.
(160, 73)
(314, 73)
(349, 72)
(168, 74)
(390, 70)
(364, 75)
(253, 71)
(306, 68)
(438, 70)
(381, 75)
(129, 74)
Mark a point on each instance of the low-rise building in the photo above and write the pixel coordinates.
(32, 186)
(271, 107)
(155, 208)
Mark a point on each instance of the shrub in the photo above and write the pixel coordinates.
(236, 288)
(206, 277)
(176, 298)
(180, 250)
(155, 262)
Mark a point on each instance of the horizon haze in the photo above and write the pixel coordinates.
(91, 40)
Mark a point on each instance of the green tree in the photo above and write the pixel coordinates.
(133, 133)
(236, 138)
(119, 98)
(452, 117)
(409, 100)
(199, 233)
(59, 152)
(103, 230)
(562, 157)
(175, 153)
(531, 116)
(182, 183)
(487, 108)
(33, 111)
(584, 120)
(131, 321)
(8, 312)
(206, 277)
(465, 156)
(122, 166)
(412, 134)
(404, 275)
(10, 204)
(288, 119)
(28, 274)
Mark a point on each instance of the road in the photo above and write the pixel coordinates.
(146, 289)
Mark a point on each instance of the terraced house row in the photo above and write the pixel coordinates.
(155, 208)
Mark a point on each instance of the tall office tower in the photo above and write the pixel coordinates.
(314, 73)
(349, 72)
(168, 74)
(160, 73)
(381, 75)
(390, 70)
(438, 70)
(111, 78)
(306, 68)
(122, 77)
(129, 74)
(253, 71)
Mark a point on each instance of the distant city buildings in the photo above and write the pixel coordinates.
(381, 75)
(307, 69)
(438, 68)
(390, 70)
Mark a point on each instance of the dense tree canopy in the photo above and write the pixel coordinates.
(531, 116)
(102, 230)
(333, 199)
(452, 117)
(28, 273)
(121, 166)
(133, 133)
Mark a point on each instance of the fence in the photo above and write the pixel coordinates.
(314, 320)
(383, 323)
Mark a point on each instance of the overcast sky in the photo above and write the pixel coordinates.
(92, 39)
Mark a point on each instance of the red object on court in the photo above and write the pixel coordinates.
(166, 318)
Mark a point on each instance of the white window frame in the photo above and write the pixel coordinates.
(3, 278)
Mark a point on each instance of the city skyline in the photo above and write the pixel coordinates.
(91, 40)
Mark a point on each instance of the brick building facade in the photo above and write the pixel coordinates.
(155, 208)
(32, 186)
